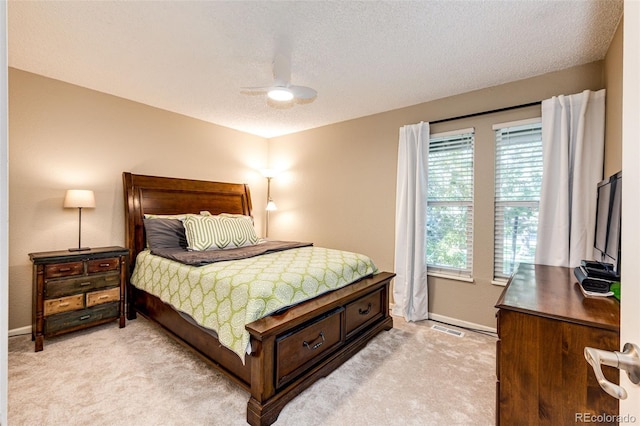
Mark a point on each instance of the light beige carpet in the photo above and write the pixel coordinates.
(410, 375)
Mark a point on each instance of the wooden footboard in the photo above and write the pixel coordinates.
(291, 350)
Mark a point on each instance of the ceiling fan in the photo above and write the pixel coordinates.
(282, 90)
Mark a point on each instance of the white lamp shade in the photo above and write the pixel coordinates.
(75, 198)
(268, 173)
(271, 206)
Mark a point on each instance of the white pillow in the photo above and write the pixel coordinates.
(219, 232)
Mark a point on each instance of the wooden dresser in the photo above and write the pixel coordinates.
(76, 290)
(544, 323)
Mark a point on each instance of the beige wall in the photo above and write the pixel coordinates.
(337, 186)
(613, 84)
(63, 136)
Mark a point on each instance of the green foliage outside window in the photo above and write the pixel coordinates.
(447, 236)
(517, 195)
(519, 237)
(450, 202)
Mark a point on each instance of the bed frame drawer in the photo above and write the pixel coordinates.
(308, 345)
(363, 311)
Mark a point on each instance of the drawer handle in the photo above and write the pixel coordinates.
(62, 305)
(85, 317)
(313, 346)
(104, 265)
(64, 269)
(104, 296)
(366, 311)
(85, 283)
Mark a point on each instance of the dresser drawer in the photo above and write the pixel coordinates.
(300, 349)
(362, 311)
(104, 296)
(63, 304)
(63, 269)
(103, 265)
(63, 287)
(77, 319)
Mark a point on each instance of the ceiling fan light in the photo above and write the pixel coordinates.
(280, 94)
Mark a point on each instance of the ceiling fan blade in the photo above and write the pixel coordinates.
(257, 88)
(281, 90)
(303, 92)
(281, 70)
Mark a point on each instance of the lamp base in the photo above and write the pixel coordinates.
(80, 249)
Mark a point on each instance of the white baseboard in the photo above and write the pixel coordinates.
(461, 323)
(456, 322)
(20, 331)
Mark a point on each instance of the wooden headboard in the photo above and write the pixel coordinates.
(163, 195)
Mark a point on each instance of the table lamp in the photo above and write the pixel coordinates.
(79, 198)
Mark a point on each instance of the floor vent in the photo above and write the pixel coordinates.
(447, 330)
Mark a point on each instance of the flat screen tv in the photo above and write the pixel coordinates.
(608, 218)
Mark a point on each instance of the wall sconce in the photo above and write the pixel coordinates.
(79, 198)
(271, 205)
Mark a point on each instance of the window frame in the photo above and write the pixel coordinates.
(501, 205)
(462, 274)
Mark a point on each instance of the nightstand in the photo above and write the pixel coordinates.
(73, 290)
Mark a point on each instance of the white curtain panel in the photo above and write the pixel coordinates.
(573, 152)
(410, 286)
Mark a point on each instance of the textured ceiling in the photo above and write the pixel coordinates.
(362, 57)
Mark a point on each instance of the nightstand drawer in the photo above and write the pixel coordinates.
(62, 287)
(63, 269)
(63, 304)
(76, 319)
(104, 296)
(103, 265)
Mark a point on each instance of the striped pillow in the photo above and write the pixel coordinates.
(219, 232)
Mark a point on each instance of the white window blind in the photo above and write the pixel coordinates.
(518, 178)
(450, 203)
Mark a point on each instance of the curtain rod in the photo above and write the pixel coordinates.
(475, 114)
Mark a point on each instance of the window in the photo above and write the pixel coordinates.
(518, 178)
(450, 203)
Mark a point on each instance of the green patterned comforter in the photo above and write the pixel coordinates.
(225, 296)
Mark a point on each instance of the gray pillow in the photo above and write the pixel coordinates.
(165, 233)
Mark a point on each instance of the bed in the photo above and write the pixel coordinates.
(288, 350)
